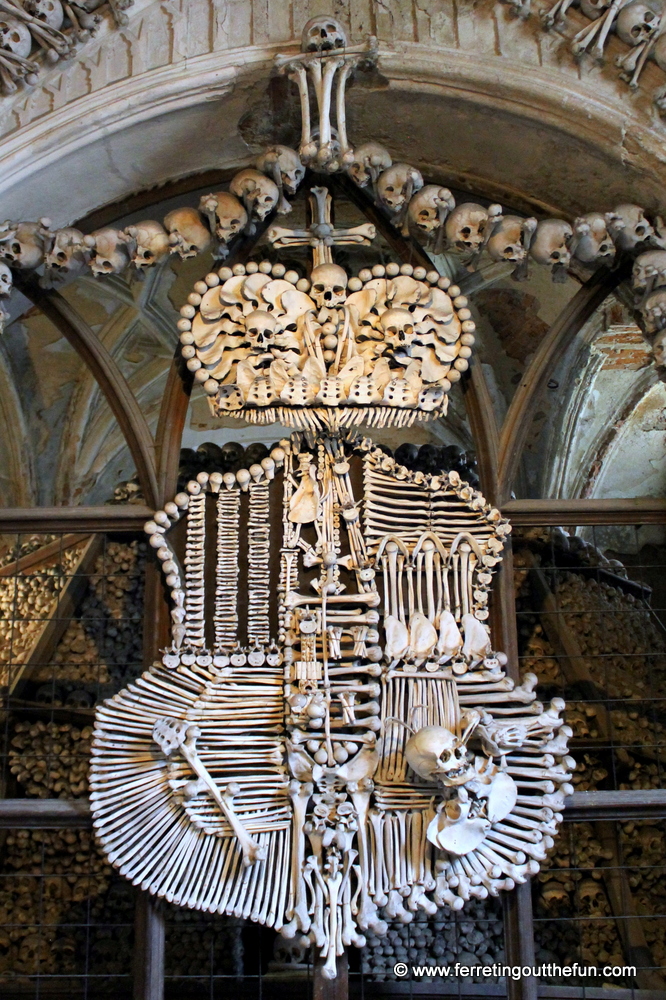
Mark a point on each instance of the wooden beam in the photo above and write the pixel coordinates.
(149, 942)
(106, 373)
(170, 424)
(483, 426)
(639, 510)
(551, 349)
(42, 555)
(115, 517)
(53, 627)
(645, 803)
(44, 814)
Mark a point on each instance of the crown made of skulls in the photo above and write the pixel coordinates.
(383, 347)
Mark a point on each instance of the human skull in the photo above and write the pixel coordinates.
(436, 754)
(23, 244)
(637, 22)
(226, 214)
(594, 8)
(323, 34)
(148, 242)
(506, 242)
(187, 234)
(429, 207)
(6, 281)
(258, 193)
(591, 242)
(550, 245)
(592, 895)
(49, 11)
(649, 271)
(396, 185)
(286, 163)
(260, 328)
(628, 226)
(653, 311)
(109, 251)
(465, 225)
(369, 161)
(398, 327)
(15, 37)
(329, 285)
(66, 250)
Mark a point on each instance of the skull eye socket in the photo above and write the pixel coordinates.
(390, 188)
(319, 287)
(16, 248)
(338, 289)
(445, 756)
(555, 255)
(640, 230)
(146, 255)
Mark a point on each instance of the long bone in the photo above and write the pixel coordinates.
(297, 908)
(178, 734)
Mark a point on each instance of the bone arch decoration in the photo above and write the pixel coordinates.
(367, 758)
(426, 211)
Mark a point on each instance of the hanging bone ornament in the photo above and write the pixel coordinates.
(649, 271)
(148, 243)
(284, 166)
(65, 251)
(23, 244)
(370, 160)
(428, 210)
(188, 236)
(591, 243)
(258, 193)
(550, 246)
(226, 217)
(395, 188)
(510, 238)
(465, 228)
(107, 251)
(323, 34)
(628, 226)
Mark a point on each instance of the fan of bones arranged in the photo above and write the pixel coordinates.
(330, 740)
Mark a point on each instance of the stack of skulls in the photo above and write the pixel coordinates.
(473, 936)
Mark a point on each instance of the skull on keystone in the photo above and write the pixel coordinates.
(398, 327)
(550, 245)
(23, 244)
(109, 251)
(429, 207)
(506, 243)
(286, 163)
(329, 285)
(66, 252)
(465, 225)
(225, 213)
(369, 161)
(628, 226)
(323, 34)
(396, 186)
(15, 37)
(148, 242)
(591, 241)
(659, 349)
(258, 193)
(50, 12)
(649, 271)
(637, 22)
(436, 754)
(187, 234)
(653, 311)
(260, 328)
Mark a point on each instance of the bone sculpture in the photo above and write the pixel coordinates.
(337, 744)
(36, 31)
(639, 25)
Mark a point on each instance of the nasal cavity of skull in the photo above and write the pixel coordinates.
(321, 288)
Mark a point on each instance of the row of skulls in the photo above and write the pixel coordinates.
(639, 24)
(49, 27)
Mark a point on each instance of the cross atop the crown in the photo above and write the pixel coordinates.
(321, 235)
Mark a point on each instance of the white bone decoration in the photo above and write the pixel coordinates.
(330, 741)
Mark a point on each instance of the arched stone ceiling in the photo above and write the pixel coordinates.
(463, 90)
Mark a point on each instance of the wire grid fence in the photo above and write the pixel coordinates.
(66, 919)
(590, 615)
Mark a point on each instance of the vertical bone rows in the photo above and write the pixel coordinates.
(195, 555)
(258, 574)
(226, 569)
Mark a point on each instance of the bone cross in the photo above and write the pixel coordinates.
(321, 235)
